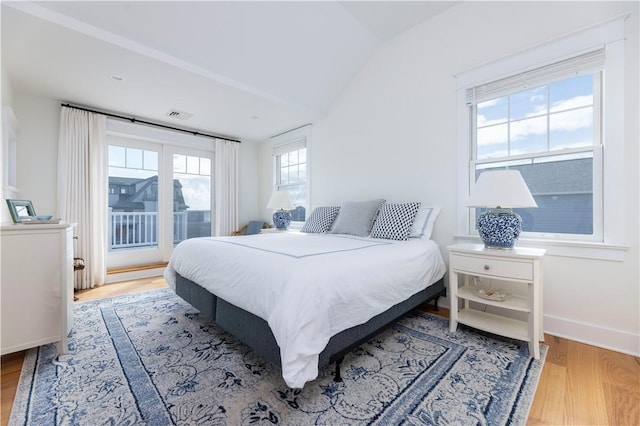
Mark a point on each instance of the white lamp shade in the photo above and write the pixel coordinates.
(501, 188)
(280, 201)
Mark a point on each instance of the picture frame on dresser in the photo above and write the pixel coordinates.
(21, 210)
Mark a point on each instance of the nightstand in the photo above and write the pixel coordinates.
(518, 265)
(274, 230)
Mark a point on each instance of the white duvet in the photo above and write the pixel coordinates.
(308, 287)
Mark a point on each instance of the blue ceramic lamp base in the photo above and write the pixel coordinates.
(499, 228)
(281, 219)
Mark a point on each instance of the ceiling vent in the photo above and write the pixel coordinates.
(174, 113)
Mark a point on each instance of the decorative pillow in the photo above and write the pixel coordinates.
(424, 221)
(394, 221)
(356, 217)
(320, 220)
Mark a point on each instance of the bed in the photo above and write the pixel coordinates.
(303, 300)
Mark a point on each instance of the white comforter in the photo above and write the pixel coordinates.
(308, 287)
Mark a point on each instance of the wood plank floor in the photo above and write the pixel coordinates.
(580, 384)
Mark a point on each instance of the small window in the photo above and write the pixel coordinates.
(291, 176)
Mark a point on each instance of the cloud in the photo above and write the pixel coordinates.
(196, 191)
(575, 102)
(493, 132)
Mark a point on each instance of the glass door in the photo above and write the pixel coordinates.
(135, 195)
(191, 198)
(159, 195)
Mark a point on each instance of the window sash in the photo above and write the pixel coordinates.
(290, 167)
(595, 152)
(597, 120)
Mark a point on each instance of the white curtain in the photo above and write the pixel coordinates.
(82, 189)
(226, 184)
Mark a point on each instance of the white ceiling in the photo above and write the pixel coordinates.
(244, 69)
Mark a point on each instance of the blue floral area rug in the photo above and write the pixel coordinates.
(150, 359)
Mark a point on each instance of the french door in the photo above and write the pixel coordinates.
(159, 195)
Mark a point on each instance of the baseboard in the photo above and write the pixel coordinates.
(134, 275)
(591, 334)
(132, 268)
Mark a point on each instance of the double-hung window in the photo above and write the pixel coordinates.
(546, 123)
(290, 154)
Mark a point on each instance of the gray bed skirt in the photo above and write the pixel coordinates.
(256, 333)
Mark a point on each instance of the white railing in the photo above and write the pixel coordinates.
(180, 222)
(140, 229)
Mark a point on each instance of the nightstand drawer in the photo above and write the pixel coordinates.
(492, 267)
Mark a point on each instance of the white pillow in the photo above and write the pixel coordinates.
(423, 223)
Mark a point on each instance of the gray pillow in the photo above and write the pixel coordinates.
(356, 217)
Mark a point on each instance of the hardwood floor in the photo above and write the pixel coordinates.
(580, 384)
(118, 289)
(10, 367)
(584, 385)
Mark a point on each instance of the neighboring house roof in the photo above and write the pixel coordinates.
(575, 176)
(558, 209)
(135, 201)
(114, 180)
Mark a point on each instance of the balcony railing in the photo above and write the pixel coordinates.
(140, 229)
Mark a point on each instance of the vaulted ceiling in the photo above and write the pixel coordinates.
(243, 69)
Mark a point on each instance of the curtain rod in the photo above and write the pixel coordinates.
(135, 120)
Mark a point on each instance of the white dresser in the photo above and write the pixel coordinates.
(36, 286)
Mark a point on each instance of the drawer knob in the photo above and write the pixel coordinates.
(487, 267)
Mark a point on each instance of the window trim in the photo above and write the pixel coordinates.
(296, 137)
(610, 35)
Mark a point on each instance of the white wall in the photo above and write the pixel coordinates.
(248, 183)
(7, 100)
(37, 165)
(37, 150)
(265, 180)
(393, 134)
(7, 89)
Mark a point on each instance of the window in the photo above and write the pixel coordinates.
(545, 123)
(291, 177)
(290, 154)
(554, 112)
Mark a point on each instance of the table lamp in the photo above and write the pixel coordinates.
(500, 191)
(281, 203)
